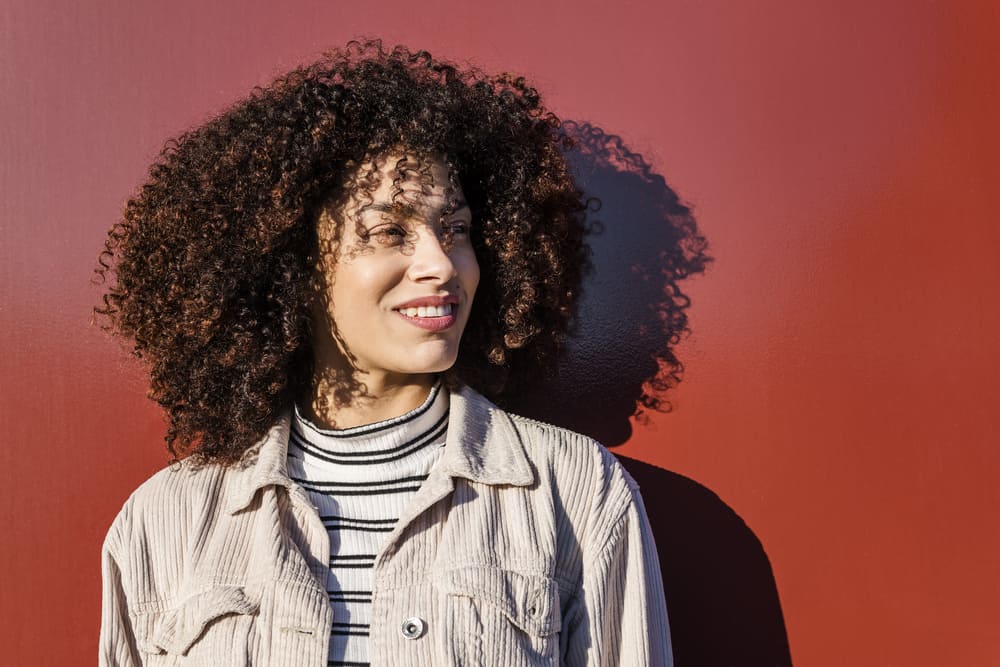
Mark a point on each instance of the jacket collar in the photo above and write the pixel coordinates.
(264, 464)
(482, 445)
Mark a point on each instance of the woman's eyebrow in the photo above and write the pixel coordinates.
(385, 207)
(408, 209)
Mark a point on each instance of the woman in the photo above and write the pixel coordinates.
(326, 281)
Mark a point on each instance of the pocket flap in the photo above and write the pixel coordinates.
(179, 628)
(531, 602)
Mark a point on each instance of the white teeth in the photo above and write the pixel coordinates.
(429, 311)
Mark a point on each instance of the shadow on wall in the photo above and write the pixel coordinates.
(721, 594)
(631, 314)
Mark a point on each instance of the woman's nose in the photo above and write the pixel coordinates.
(431, 260)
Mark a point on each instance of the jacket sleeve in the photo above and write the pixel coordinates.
(117, 642)
(620, 617)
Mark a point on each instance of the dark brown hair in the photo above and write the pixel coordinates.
(209, 269)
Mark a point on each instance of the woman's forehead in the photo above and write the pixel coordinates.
(401, 182)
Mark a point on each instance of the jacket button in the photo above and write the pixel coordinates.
(413, 628)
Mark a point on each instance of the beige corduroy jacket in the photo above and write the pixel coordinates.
(527, 545)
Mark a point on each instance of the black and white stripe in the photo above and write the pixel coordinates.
(367, 525)
(361, 479)
(364, 561)
(351, 629)
(374, 488)
(371, 456)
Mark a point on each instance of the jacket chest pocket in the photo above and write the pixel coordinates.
(214, 628)
(498, 617)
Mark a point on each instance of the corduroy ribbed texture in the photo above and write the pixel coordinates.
(526, 545)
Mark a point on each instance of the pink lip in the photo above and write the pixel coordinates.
(429, 323)
(429, 301)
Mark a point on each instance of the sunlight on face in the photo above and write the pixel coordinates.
(399, 281)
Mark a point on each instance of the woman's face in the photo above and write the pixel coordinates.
(400, 279)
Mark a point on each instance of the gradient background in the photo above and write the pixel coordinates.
(840, 396)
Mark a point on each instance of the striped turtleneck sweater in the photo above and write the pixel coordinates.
(360, 479)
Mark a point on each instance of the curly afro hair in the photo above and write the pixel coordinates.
(210, 268)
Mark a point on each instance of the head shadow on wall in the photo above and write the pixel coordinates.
(620, 360)
(722, 598)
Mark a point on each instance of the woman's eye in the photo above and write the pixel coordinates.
(387, 234)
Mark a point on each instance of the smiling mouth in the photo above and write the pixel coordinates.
(430, 318)
(426, 312)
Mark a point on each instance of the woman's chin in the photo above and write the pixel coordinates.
(429, 366)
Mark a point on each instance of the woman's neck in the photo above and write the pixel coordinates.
(381, 399)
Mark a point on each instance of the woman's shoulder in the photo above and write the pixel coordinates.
(171, 495)
(180, 481)
(195, 488)
(589, 488)
(569, 452)
(571, 456)
(593, 490)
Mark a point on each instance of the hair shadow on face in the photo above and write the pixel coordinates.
(721, 594)
(333, 381)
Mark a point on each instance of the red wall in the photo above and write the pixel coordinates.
(840, 391)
